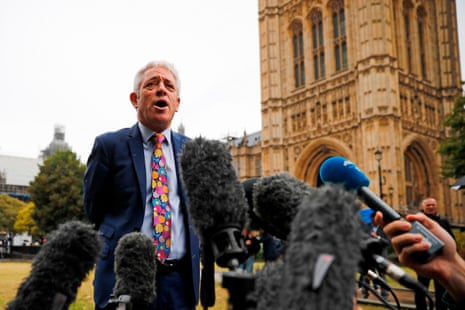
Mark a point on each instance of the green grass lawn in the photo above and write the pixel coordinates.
(12, 274)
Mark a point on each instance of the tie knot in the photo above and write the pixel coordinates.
(159, 138)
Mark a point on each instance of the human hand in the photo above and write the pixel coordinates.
(408, 245)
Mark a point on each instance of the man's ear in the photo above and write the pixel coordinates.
(133, 98)
(179, 102)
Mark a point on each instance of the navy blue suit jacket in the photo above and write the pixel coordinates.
(114, 200)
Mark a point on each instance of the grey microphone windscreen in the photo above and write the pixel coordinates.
(323, 252)
(135, 269)
(59, 267)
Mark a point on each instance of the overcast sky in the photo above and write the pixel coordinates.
(72, 63)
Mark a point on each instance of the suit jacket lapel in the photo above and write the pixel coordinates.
(137, 156)
(178, 143)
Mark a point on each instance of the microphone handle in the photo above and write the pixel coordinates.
(376, 203)
(399, 274)
(207, 281)
(389, 215)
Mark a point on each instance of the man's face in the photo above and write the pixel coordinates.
(158, 99)
(429, 206)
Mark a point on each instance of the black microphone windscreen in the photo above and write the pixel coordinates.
(267, 287)
(59, 267)
(276, 200)
(325, 230)
(254, 221)
(216, 197)
(135, 269)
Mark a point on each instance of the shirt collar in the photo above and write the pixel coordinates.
(148, 133)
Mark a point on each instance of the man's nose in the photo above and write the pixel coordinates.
(161, 91)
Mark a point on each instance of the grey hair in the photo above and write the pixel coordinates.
(154, 64)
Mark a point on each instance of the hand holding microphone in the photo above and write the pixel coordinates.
(447, 267)
(340, 170)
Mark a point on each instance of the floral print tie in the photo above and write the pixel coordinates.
(160, 202)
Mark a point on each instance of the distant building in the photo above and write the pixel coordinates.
(247, 152)
(17, 172)
(15, 175)
(58, 143)
(181, 129)
(367, 80)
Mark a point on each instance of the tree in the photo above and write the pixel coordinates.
(25, 222)
(9, 208)
(453, 147)
(57, 191)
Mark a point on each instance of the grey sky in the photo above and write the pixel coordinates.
(72, 63)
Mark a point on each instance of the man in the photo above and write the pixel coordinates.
(370, 227)
(118, 194)
(272, 247)
(253, 247)
(429, 208)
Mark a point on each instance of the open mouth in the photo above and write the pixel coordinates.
(161, 104)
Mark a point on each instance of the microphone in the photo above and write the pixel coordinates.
(135, 270)
(340, 170)
(267, 288)
(254, 220)
(217, 206)
(58, 268)
(323, 252)
(307, 217)
(312, 223)
(371, 249)
(276, 199)
(399, 274)
(217, 201)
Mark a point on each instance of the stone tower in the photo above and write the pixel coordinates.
(359, 77)
(58, 142)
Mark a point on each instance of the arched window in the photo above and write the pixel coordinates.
(416, 177)
(318, 51)
(340, 38)
(298, 54)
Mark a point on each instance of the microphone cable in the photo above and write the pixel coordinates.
(370, 274)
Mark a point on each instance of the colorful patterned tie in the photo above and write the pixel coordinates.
(160, 202)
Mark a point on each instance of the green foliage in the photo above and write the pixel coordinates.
(57, 191)
(453, 147)
(9, 208)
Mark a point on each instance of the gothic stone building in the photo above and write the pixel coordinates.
(355, 78)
